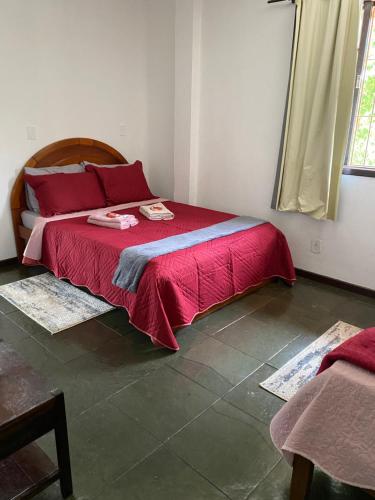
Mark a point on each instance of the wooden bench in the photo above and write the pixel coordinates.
(28, 410)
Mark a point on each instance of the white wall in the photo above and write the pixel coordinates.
(80, 68)
(245, 56)
(188, 22)
(160, 17)
(200, 86)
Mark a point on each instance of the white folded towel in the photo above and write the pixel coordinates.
(156, 211)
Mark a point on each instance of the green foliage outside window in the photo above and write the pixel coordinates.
(362, 151)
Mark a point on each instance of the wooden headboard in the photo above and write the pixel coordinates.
(65, 152)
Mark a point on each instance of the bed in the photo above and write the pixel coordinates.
(175, 288)
(330, 423)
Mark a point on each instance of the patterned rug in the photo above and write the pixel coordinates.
(54, 304)
(302, 368)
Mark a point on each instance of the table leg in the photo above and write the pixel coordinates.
(301, 479)
(62, 448)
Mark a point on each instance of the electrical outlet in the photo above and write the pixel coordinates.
(316, 246)
(122, 129)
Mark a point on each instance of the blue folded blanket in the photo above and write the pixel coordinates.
(134, 259)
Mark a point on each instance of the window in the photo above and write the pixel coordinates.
(360, 156)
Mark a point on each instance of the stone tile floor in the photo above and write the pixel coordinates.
(148, 424)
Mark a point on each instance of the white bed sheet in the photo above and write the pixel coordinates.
(28, 218)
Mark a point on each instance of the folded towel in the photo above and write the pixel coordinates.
(115, 222)
(123, 225)
(156, 211)
(112, 226)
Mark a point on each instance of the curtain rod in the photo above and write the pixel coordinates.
(276, 1)
(294, 1)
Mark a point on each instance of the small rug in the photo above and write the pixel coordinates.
(303, 367)
(54, 304)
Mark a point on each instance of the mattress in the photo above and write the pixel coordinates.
(29, 218)
(175, 287)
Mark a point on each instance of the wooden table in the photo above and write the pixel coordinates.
(28, 410)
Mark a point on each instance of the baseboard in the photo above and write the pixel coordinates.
(338, 283)
(7, 262)
(368, 292)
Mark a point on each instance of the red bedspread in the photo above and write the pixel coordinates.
(174, 287)
(358, 350)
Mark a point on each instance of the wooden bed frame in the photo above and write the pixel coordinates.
(65, 152)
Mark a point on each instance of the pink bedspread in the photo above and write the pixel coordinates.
(330, 421)
(174, 287)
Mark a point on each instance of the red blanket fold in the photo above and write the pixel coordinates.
(358, 350)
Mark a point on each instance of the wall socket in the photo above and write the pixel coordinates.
(316, 246)
(122, 129)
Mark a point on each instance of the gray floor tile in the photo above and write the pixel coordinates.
(254, 301)
(357, 312)
(313, 296)
(26, 323)
(228, 447)
(187, 337)
(14, 272)
(219, 319)
(38, 356)
(277, 484)
(143, 350)
(330, 290)
(9, 331)
(76, 341)
(324, 487)
(275, 288)
(117, 364)
(215, 365)
(291, 350)
(5, 306)
(162, 476)
(258, 339)
(51, 493)
(68, 344)
(104, 443)
(117, 319)
(163, 402)
(80, 393)
(254, 400)
(288, 317)
(116, 452)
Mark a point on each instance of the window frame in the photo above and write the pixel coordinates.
(368, 6)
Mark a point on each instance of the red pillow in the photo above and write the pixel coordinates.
(64, 193)
(123, 184)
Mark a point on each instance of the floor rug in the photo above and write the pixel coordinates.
(54, 304)
(303, 367)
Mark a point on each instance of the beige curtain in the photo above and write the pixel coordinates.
(319, 107)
